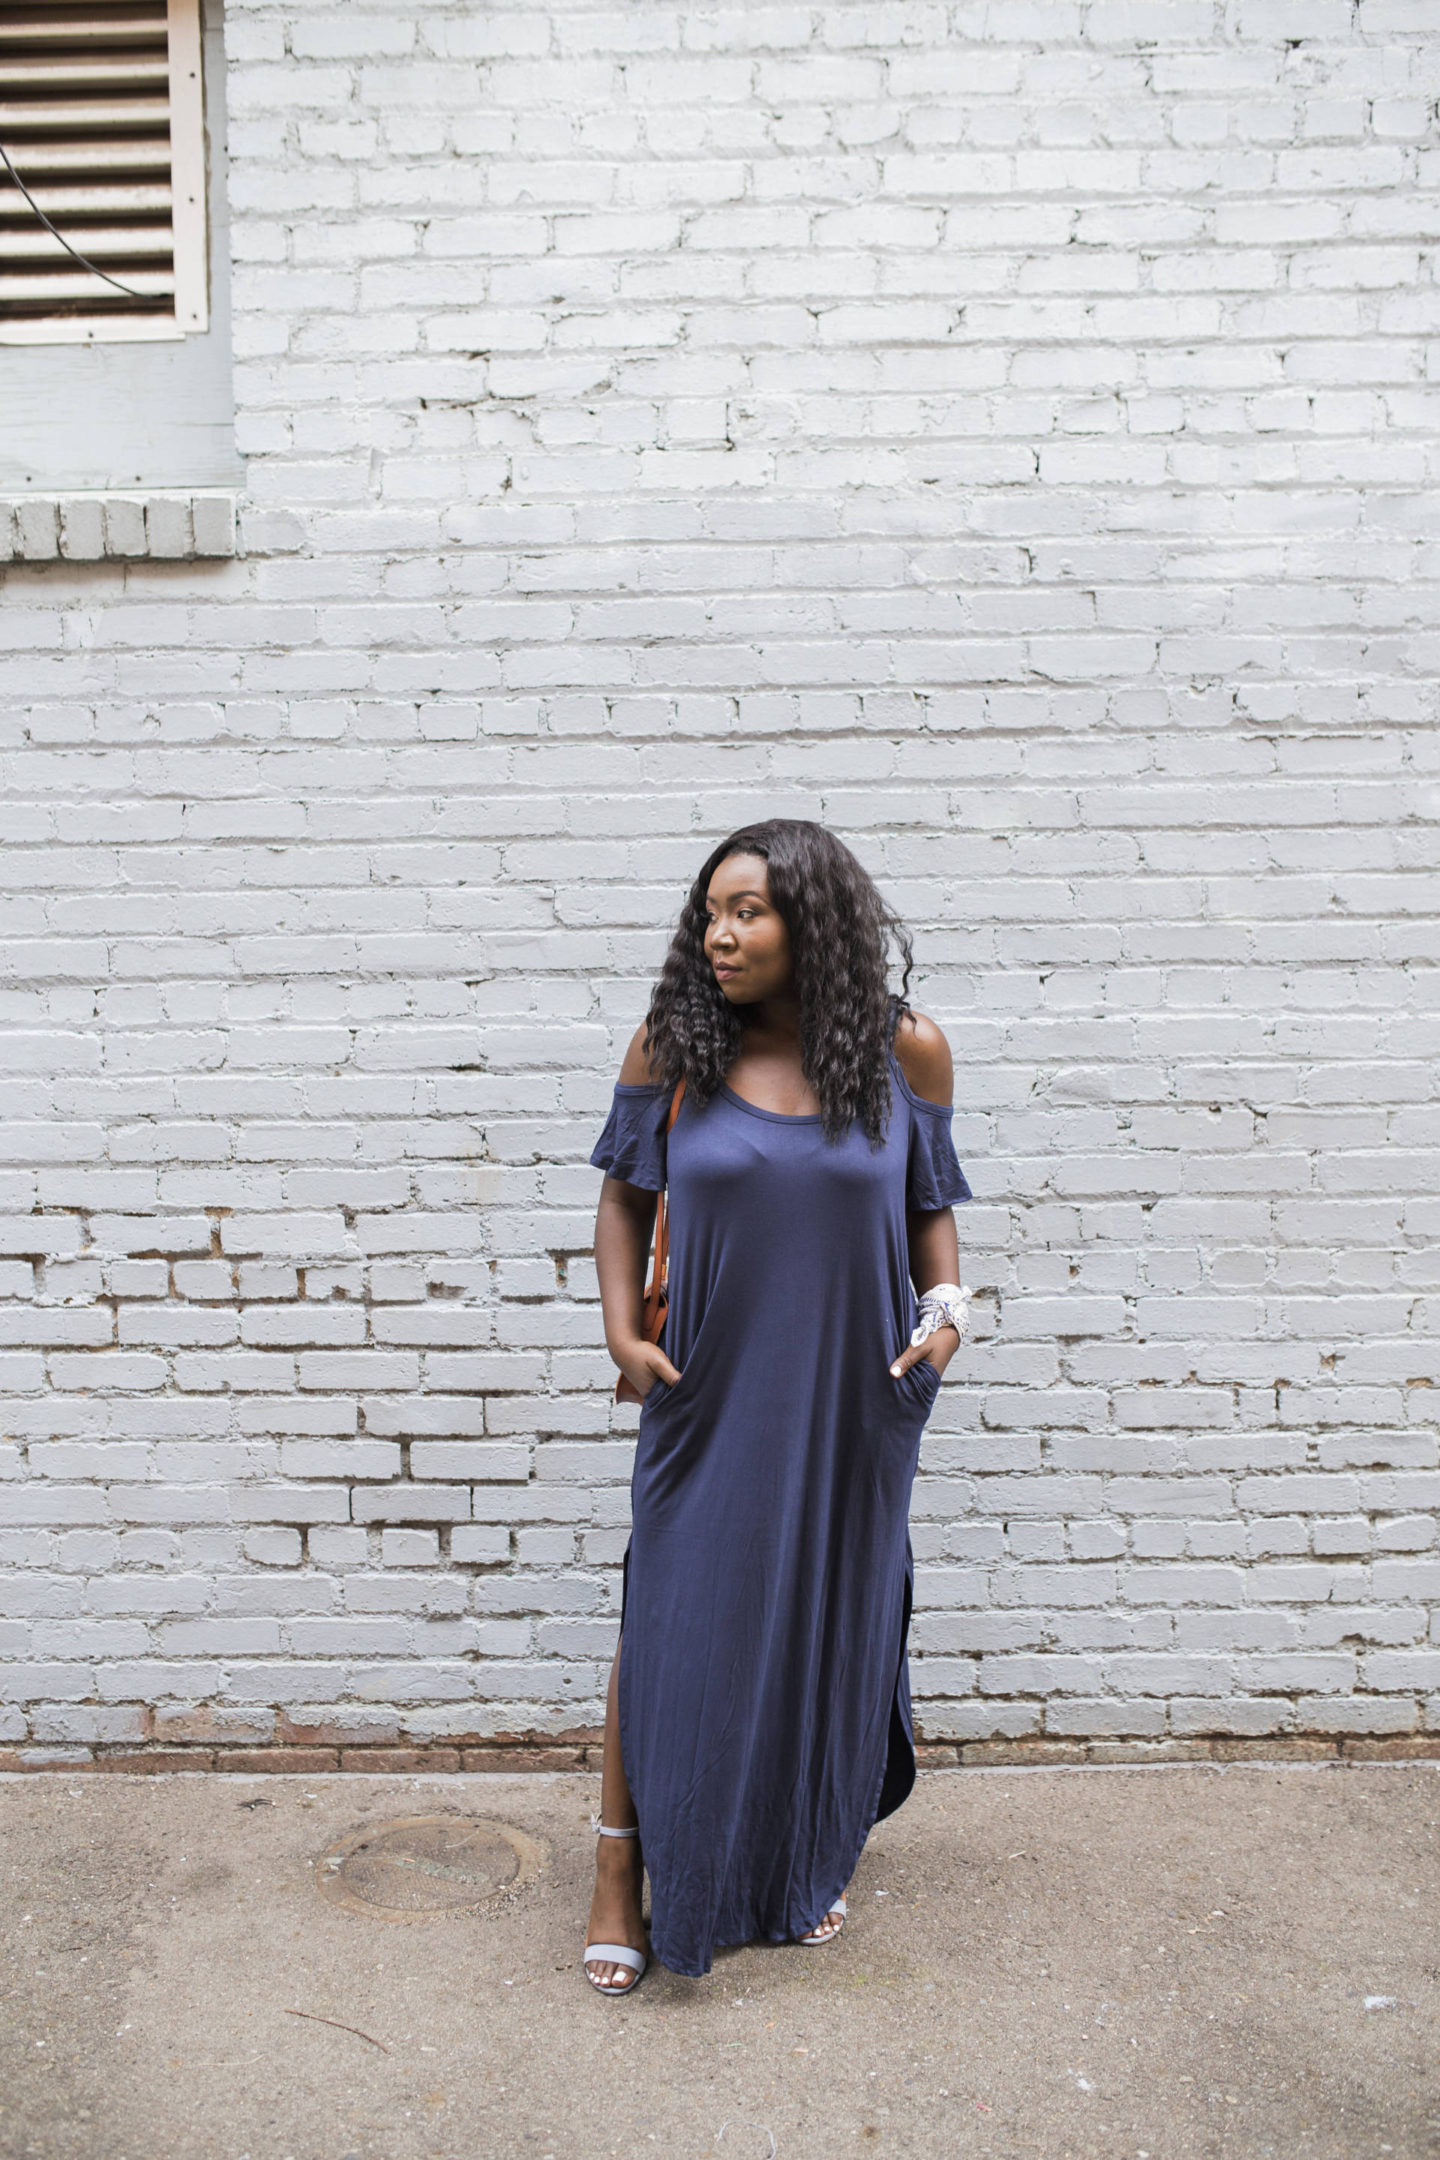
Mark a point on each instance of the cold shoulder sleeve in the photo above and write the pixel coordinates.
(632, 1146)
(933, 1177)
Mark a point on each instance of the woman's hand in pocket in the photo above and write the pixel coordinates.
(937, 1349)
(643, 1363)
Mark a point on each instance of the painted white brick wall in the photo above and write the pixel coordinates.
(1005, 432)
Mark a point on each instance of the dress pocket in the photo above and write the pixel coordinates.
(924, 1376)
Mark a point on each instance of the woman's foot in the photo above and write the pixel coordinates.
(826, 1928)
(615, 1911)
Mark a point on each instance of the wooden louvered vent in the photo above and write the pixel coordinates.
(102, 118)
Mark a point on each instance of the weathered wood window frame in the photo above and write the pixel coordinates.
(102, 113)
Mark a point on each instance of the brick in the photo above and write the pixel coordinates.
(409, 1548)
(155, 1762)
(411, 1503)
(479, 1544)
(272, 1547)
(301, 1761)
(337, 1546)
(398, 1761)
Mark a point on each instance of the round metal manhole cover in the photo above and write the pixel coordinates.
(427, 1864)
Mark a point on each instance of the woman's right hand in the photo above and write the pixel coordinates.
(643, 1363)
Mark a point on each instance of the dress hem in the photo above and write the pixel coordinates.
(894, 1719)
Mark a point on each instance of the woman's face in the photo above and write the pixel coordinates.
(746, 943)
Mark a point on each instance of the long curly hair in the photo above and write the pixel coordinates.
(841, 935)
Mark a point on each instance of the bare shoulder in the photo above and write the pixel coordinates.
(635, 1070)
(924, 1056)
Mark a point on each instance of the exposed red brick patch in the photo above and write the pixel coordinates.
(152, 1762)
(527, 1758)
(1403, 1747)
(581, 1752)
(375, 1761)
(301, 1759)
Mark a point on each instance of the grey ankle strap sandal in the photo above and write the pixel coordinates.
(635, 1961)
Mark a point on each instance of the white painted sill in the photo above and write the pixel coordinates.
(158, 525)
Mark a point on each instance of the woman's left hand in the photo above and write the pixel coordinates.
(939, 1347)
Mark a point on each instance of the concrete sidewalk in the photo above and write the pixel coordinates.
(1148, 1963)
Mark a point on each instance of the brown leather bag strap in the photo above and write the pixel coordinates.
(655, 1289)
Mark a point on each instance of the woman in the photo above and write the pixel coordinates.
(758, 1718)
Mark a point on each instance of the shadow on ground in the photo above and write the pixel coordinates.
(1151, 1964)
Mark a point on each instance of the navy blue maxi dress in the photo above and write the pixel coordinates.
(764, 1695)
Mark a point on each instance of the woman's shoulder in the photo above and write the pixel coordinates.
(635, 1066)
(923, 1056)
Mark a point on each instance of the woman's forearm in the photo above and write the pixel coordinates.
(934, 1249)
(623, 1223)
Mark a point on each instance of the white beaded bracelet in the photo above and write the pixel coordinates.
(944, 1305)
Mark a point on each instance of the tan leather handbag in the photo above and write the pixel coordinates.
(656, 1289)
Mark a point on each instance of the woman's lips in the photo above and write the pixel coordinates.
(725, 974)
